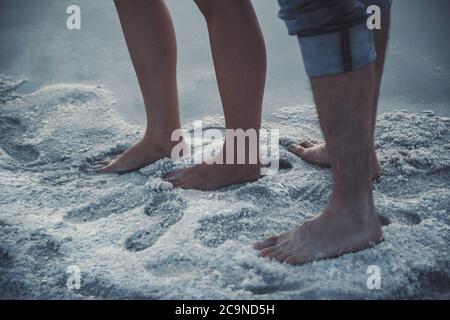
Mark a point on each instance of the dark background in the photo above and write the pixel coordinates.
(35, 44)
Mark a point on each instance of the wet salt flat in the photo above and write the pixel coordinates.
(134, 236)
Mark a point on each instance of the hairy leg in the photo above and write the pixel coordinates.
(315, 152)
(240, 63)
(349, 222)
(150, 37)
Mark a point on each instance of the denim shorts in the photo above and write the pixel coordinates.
(333, 34)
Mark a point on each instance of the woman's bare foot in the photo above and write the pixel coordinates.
(332, 234)
(213, 176)
(145, 152)
(316, 153)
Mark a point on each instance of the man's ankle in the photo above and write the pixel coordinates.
(353, 200)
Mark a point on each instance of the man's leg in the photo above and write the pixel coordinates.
(240, 63)
(338, 56)
(316, 152)
(150, 37)
(349, 223)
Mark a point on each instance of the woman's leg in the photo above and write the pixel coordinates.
(239, 58)
(150, 36)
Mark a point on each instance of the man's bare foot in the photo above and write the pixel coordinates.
(332, 234)
(316, 153)
(213, 176)
(143, 153)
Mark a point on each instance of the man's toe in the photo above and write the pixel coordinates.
(266, 243)
(274, 253)
(296, 149)
(307, 144)
(283, 256)
(267, 251)
(292, 260)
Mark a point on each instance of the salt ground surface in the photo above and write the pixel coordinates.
(133, 236)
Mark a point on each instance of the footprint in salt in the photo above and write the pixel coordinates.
(10, 130)
(167, 208)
